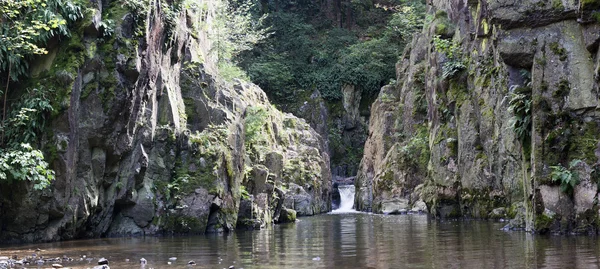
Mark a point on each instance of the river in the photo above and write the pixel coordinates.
(354, 240)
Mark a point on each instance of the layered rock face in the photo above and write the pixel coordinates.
(496, 107)
(147, 139)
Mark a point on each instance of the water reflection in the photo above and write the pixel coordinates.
(341, 241)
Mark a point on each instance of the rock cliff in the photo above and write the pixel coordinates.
(496, 107)
(147, 138)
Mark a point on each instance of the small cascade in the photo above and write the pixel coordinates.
(346, 199)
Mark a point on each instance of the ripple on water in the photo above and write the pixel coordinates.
(339, 241)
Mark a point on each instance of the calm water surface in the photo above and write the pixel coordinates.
(340, 241)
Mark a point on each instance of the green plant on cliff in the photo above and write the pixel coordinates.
(567, 178)
(24, 164)
(25, 27)
(520, 105)
(451, 49)
(27, 117)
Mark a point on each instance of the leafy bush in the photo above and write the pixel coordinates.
(27, 118)
(27, 25)
(567, 178)
(25, 164)
(455, 62)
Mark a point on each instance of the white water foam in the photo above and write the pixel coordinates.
(346, 200)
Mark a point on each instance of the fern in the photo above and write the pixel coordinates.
(567, 178)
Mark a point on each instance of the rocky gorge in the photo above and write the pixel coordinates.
(494, 115)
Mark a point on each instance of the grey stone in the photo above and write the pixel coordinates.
(394, 206)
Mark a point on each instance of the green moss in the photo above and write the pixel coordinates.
(88, 89)
(481, 156)
(584, 143)
(441, 28)
(458, 93)
(512, 211)
(589, 4)
(558, 50)
(441, 14)
(414, 153)
(543, 223)
(557, 4)
(541, 61)
(563, 89)
(596, 16)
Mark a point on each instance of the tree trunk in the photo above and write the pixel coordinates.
(4, 107)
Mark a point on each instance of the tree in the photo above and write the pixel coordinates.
(237, 29)
(25, 27)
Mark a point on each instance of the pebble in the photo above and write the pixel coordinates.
(316, 259)
(173, 259)
(102, 261)
(232, 267)
(56, 265)
(191, 263)
(127, 260)
(169, 263)
(104, 266)
(143, 261)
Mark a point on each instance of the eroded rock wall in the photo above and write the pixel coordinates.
(146, 138)
(475, 160)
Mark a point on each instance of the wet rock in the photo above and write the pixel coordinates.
(394, 206)
(419, 207)
(287, 215)
(102, 261)
(498, 213)
(299, 199)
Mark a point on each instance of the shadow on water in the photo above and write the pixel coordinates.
(340, 241)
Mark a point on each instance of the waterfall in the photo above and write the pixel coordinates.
(346, 199)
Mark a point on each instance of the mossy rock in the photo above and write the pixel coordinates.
(287, 215)
(589, 4)
(544, 222)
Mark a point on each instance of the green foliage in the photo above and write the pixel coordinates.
(26, 25)
(236, 30)
(255, 123)
(451, 49)
(24, 164)
(415, 153)
(244, 193)
(305, 51)
(27, 118)
(567, 178)
(520, 105)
